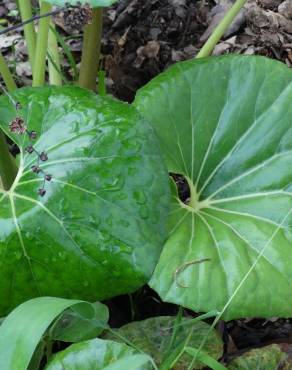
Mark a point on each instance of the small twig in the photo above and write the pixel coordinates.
(181, 268)
(36, 18)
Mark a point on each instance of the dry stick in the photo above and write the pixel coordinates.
(32, 19)
(91, 51)
(220, 29)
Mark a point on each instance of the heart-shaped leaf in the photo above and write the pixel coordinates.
(98, 230)
(98, 354)
(225, 124)
(92, 3)
(159, 336)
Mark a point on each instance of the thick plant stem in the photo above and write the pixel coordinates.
(8, 168)
(41, 47)
(220, 29)
(54, 62)
(29, 30)
(6, 75)
(91, 51)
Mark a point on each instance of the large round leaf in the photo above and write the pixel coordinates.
(98, 230)
(226, 125)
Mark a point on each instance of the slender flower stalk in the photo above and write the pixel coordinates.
(6, 75)
(41, 47)
(8, 168)
(29, 30)
(54, 62)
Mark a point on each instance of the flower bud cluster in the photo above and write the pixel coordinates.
(18, 126)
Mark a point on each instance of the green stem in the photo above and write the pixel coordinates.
(91, 51)
(41, 47)
(8, 168)
(54, 62)
(6, 75)
(220, 29)
(29, 30)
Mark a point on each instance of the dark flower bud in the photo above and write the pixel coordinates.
(17, 126)
(48, 177)
(32, 134)
(41, 192)
(35, 169)
(29, 149)
(43, 156)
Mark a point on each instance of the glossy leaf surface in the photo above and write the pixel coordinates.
(159, 336)
(99, 229)
(99, 354)
(225, 124)
(22, 330)
(92, 3)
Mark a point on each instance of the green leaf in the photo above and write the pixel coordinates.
(23, 329)
(92, 3)
(73, 327)
(225, 124)
(274, 356)
(153, 337)
(99, 354)
(205, 358)
(99, 229)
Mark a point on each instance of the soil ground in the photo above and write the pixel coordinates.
(141, 39)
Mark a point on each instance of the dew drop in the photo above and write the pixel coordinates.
(29, 236)
(63, 204)
(115, 249)
(18, 255)
(62, 255)
(132, 171)
(116, 273)
(143, 212)
(140, 196)
(126, 249)
(124, 223)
